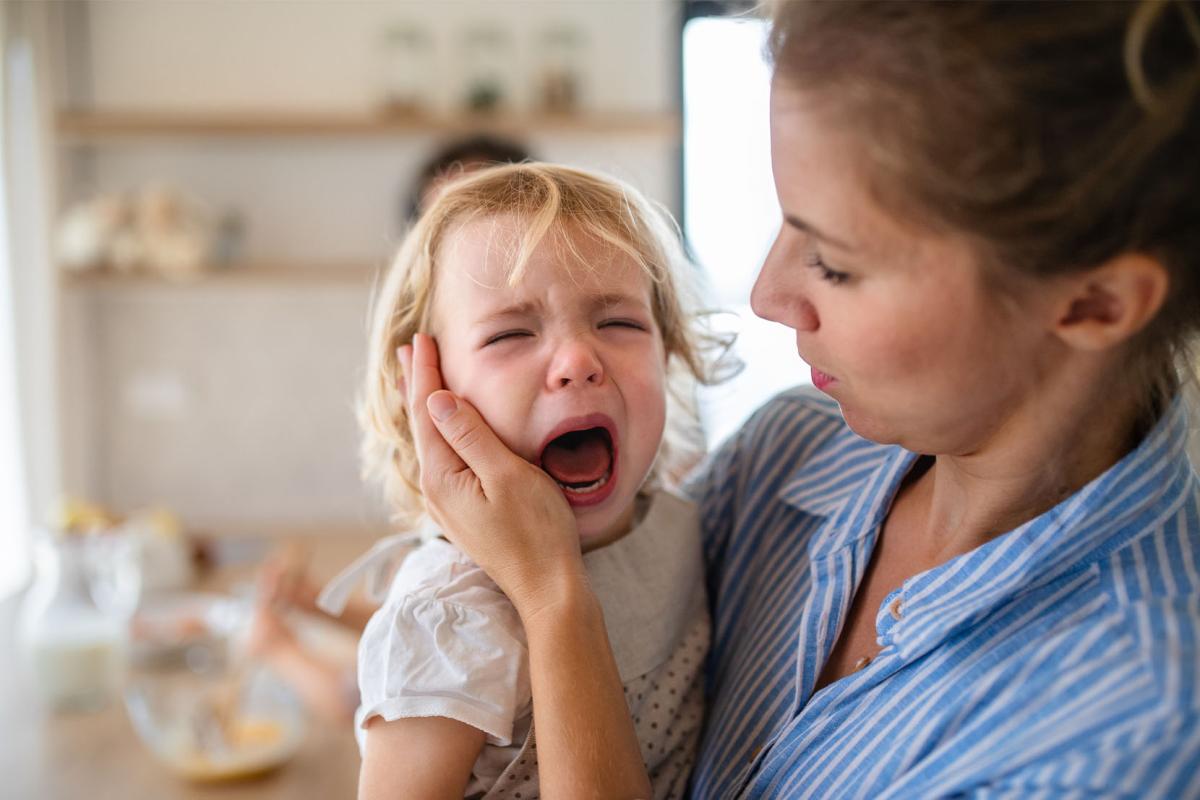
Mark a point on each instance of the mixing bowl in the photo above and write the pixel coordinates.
(194, 700)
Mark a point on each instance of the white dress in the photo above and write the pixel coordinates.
(446, 642)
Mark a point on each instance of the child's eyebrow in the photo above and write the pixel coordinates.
(526, 308)
(617, 299)
(522, 309)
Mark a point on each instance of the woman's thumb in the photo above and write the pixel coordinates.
(466, 432)
(442, 406)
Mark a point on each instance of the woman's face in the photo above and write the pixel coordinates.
(899, 325)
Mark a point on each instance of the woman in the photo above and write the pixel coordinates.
(972, 566)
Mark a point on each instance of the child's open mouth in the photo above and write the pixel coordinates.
(582, 463)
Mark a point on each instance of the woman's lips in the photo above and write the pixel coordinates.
(821, 380)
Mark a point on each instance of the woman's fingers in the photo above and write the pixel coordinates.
(404, 356)
(423, 377)
(458, 439)
(472, 440)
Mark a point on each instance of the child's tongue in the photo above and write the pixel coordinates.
(578, 458)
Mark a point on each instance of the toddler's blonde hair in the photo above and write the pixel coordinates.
(545, 200)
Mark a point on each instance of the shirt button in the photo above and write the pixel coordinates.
(894, 608)
(862, 663)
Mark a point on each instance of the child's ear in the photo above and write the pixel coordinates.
(1106, 306)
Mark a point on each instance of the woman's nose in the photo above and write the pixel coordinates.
(779, 295)
(575, 363)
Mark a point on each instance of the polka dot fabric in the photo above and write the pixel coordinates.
(668, 710)
(667, 705)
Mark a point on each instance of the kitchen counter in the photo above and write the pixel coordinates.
(64, 756)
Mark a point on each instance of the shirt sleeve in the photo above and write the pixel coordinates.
(717, 484)
(457, 651)
(712, 487)
(745, 461)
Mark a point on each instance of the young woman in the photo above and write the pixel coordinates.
(970, 564)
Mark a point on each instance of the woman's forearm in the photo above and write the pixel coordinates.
(586, 742)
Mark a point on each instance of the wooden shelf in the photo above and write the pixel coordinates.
(241, 275)
(98, 126)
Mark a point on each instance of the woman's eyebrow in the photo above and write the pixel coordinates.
(811, 230)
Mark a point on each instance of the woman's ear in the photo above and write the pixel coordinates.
(1108, 305)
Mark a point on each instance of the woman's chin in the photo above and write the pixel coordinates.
(904, 433)
(867, 426)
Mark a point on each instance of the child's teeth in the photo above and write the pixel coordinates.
(591, 487)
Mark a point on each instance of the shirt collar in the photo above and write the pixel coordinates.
(1133, 496)
(650, 584)
(849, 480)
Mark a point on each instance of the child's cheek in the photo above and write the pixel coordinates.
(458, 365)
(500, 401)
(472, 372)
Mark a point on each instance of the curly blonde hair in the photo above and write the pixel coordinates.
(545, 200)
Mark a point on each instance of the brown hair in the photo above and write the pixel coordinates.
(1057, 135)
(546, 200)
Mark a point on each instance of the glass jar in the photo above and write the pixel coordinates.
(560, 75)
(74, 619)
(487, 61)
(406, 70)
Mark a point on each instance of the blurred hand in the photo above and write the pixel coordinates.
(505, 513)
(283, 584)
(269, 634)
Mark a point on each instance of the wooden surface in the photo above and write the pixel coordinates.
(96, 755)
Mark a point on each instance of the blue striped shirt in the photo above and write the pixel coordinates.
(1057, 660)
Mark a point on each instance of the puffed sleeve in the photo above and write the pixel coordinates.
(446, 643)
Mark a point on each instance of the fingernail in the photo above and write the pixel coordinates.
(441, 405)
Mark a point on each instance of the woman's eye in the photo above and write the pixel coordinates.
(506, 336)
(813, 259)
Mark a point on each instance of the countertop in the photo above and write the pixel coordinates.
(46, 755)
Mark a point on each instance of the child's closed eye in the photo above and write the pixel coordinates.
(506, 336)
(624, 323)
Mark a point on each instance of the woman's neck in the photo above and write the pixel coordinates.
(1041, 456)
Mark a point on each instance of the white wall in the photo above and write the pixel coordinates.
(322, 54)
(231, 406)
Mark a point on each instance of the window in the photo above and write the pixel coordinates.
(15, 83)
(14, 517)
(730, 212)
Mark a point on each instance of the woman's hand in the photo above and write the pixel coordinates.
(505, 513)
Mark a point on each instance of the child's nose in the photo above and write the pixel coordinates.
(575, 363)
